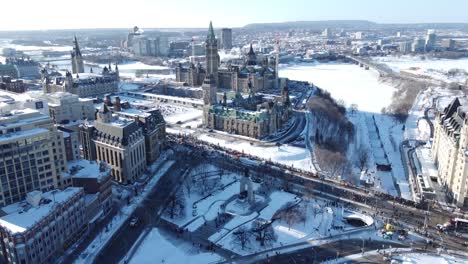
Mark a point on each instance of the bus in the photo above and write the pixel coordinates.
(460, 225)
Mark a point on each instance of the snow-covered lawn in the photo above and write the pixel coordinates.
(184, 116)
(157, 248)
(206, 209)
(411, 258)
(319, 222)
(347, 82)
(285, 154)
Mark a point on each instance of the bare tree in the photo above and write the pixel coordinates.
(309, 190)
(291, 214)
(241, 236)
(362, 157)
(264, 232)
(331, 162)
(176, 205)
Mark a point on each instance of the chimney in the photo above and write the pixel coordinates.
(117, 106)
(34, 198)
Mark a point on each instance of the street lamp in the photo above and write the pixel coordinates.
(363, 244)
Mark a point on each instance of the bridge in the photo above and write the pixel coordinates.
(53, 60)
(366, 63)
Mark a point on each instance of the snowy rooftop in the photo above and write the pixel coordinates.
(151, 96)
(23, 216)
(86, 169)
(21, 134)
(135, 112)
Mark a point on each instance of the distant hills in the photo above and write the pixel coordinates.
(349, 24)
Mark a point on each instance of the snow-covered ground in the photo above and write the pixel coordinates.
(346, 82)
(381, 138)
(413, 258)
(433, 67)
(321, 220)
(158, 248)
(285, 154)
(206, 209)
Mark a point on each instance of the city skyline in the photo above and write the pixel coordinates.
(196, 14)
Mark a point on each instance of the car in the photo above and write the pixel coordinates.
(134, 222)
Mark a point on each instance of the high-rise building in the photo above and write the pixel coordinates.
(77, 58)
(430, 40)
(359, 35)
(32, 154)
(417, 45)
(405, 47)
(448, 44)
(144, 46)
(226, 38)
(326, 33)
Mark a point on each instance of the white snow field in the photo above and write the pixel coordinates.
(347, 82)
(433, 67)
(428, 259)
(156, 248)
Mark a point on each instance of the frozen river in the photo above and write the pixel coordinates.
(130, 69)
(346, 82)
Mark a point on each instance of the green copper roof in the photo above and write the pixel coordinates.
(211, 34)
(257, 116)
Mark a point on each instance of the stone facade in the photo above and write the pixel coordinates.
(85, 84)
(252, 76)
(256, 116)
(154, 130)
(450, 150)
(117, 141)
(66, 107)
(26, 67)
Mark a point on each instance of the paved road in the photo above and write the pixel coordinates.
(147, 213)
(328, 251)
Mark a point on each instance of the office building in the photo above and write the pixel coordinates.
(226, 38)
(32, 154)
(42, 227)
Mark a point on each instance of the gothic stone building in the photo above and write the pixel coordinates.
(119, 127)
(85, 84)
(252, 76)
(119, 142)
(256, 116)
(77, 58)
(450, 150)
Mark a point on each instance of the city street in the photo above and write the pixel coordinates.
(328, 251)
(148, 214)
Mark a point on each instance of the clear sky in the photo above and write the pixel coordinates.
(73, 14)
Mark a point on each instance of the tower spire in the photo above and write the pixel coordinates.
(211, 34)
(77, 47)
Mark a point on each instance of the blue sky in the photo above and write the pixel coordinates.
(58, 14)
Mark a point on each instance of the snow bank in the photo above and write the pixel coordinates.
(156, 248)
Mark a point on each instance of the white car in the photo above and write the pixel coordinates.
(134, 222)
